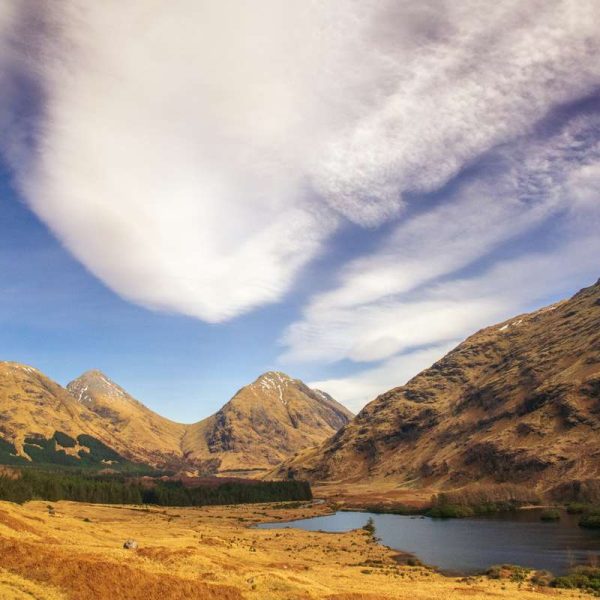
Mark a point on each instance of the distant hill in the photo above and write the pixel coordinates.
(265, 422)
(95, 422)
(518, 402)
(141, 432)
(40, 422)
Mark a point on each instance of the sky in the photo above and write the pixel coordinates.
(196, 192)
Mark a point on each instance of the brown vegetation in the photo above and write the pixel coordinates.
(77, 554)
(515, 404)
(264, 423)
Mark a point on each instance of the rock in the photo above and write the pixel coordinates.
(130, 545)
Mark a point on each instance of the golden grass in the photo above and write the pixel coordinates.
(210, 554)
(14, 587)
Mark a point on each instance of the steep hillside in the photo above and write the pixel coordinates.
(264, 423)
(517, 402)
(41, 422)
(146, 435)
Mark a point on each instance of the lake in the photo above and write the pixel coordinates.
(473, 544)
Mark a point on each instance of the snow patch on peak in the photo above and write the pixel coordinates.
(275, 381)
(21, 367)
(82, 387)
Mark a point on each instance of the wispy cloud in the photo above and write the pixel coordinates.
(370, 315)
(500, 293)
(412, 291)
(196, 156)
(362, 387)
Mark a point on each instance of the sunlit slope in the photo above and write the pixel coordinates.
(77, 553)
(516, 402)
(147, 435)
(266, 422)
(42, 423)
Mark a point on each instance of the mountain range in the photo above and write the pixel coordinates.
(515, 403)
(96, 421)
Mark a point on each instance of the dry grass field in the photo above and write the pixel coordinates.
(210, 553)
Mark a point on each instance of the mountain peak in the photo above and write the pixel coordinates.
(275, 376)
(273, 379)
(95, 375)
(94, 380)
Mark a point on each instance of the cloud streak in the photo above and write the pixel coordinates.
(385, 303)
(196, 157)
(415, 289)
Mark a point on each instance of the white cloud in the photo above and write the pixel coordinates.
(362, 387)
(390, 301)
(492, 73)
(510, 287)
(181, 147)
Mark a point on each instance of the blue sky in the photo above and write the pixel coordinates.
(61, 319)
(342, 192)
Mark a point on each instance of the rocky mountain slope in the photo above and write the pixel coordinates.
(146, 435)
(266, 422)
(41, 422)
(517, 402)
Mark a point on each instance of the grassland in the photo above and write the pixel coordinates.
(75, 551)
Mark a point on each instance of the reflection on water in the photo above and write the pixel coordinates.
(471, 545)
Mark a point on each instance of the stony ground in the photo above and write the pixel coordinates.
(210, 553)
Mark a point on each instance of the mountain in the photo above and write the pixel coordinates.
(265, 422)
(41, 422)
(146, 435)
(518, 402)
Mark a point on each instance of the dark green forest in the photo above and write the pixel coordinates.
(35, 484)
(93, 455)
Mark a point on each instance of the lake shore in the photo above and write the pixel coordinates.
(76, 551)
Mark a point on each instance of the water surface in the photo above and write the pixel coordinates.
(472, 545)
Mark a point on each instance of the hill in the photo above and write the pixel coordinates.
(265, 422)
(146, 435)
(40, 422)
(518, 403)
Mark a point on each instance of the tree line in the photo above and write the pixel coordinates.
(32, 484)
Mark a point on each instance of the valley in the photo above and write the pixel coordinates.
(510, 417)
(299, 300)
(76, 551)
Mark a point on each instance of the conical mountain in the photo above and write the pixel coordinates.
(146, 435)
(265, 422)
(42, 422)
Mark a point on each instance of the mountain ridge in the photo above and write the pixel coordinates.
(516, 402)
(34, 406)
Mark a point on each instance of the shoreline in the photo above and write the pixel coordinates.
(76, 551)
